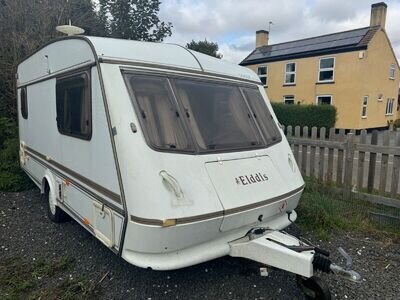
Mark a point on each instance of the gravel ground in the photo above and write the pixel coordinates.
(27, 234)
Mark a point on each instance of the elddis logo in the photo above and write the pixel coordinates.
(251, 179)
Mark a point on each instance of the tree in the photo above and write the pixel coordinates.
(133, 19)
(27, 25)
(206, 47)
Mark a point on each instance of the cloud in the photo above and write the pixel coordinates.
(232, 23)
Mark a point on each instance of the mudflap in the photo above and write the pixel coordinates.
(275, 248)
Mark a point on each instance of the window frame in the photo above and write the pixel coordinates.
(263, 76)
(316, 99)
(288, 96)
(392, 69)
(289, 73)
(76, 73)
(364, 104)
(389, 107)
(326, 69)
(196, 151)
(24, 103)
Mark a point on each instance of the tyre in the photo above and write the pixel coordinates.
(55, 213)
(314, 288)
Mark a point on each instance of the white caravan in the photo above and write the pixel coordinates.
(168, 156)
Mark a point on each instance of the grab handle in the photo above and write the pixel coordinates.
(173, 183)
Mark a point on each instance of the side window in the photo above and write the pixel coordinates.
(364, 107)
(262, 73)
(24, 103)
(326, 69)
(290, 73)
(73, 101)
(289, 99)
(392, 71)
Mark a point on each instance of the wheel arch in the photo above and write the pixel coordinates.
(49, 180)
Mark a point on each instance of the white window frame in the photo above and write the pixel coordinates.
(288, 96)
(364, 104)
(392, 71)
(263, 76)
(289, 73)
(389, 107)
(316, 99)
(327, 69)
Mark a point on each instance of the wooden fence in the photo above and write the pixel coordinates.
(366, 165)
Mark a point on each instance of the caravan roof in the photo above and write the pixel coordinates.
(88, 50)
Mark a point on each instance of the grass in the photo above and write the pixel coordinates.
(323, 211)
(21, 279)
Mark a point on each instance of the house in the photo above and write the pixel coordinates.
(355, 70)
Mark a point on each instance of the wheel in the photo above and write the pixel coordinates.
(314, 288)
(54, 213)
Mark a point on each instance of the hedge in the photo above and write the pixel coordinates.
(305, 115)
(12, 178)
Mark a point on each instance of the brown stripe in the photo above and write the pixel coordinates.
(115, 197)
(221, 213)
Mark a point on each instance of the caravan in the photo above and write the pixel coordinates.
(169, 157)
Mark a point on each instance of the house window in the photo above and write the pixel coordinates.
(262, 73)
(24, 103)
(324, 99)
(73, 102)
(389, 106)
(290, 73)
(326, 69)
(288, 99)
(364, 107)
(392, 70)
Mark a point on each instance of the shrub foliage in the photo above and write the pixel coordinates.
(12, 178)
(305, 115)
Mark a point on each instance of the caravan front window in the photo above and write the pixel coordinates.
(159, 115)
(189, 114)
(218, 115)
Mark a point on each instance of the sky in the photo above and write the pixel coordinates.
(233, 23)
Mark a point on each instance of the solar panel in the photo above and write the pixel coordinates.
(341, 39)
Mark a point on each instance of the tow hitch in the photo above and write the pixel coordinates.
(284, 251)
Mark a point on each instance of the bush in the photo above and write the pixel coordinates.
(12, 178)
(305, 115)
(396, 124)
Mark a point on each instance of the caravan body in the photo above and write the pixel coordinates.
(164, 154)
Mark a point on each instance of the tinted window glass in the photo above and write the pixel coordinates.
(218, 115)
(73, 106)
(24, 103)
(262, 115)
(158, 112)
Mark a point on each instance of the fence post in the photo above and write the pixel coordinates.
(340, 159)
(296, 146)
(329, 173)
(372, 163)
(384, 165)
(304, 152)
(321, 156)
(348, 167)
(361, 161)
(314, 135)
(396, 170)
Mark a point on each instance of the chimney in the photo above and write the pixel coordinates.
(378, 14)
(262, 37)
